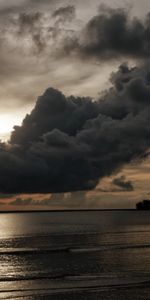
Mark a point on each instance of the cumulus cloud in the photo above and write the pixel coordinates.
(70, 143)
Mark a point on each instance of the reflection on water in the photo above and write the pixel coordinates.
(75, 255)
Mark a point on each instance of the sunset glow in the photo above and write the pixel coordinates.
(7, 122)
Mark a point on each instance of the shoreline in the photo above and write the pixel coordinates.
(67, 210)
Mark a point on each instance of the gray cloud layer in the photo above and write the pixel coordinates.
(65, 13)
(112, 34)
(68, 144)
(44, 42)
(28, 42)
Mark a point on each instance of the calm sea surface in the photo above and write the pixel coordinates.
(75, 255)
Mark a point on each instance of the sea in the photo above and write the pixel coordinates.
(75, 255)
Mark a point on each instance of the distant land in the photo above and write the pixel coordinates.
(143, 205)
(65, 210)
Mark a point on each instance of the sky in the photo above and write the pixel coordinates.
(74, 103)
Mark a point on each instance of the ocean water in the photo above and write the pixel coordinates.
(75, 255)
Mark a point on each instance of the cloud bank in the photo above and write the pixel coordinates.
(70, 143)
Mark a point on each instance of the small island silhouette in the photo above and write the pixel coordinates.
(143, 205)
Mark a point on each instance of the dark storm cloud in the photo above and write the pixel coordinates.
(112, 34)
(67, 143)
(123, 184)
